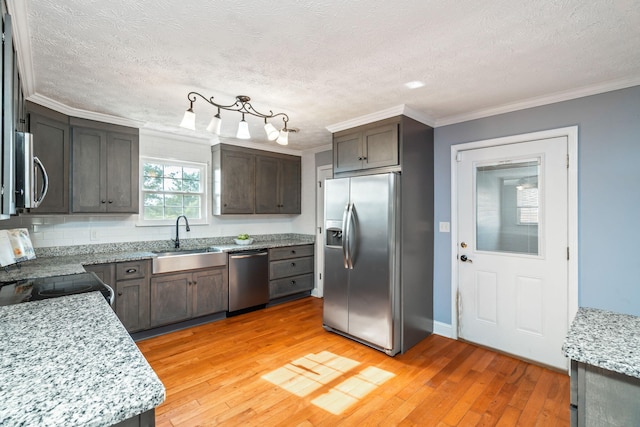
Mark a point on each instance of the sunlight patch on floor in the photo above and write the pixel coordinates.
(307, 374)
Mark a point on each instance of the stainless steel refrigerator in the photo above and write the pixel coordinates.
(363, 280)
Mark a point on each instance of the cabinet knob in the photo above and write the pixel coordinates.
(103, 201)
(364, 158)
(293, 283)
(293, 264)
(131, 270)
(110, 201)
(195, 283)
(293, 251)
(119, 294)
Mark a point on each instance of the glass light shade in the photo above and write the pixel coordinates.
(283, 138)
(243, 130)
(272, 132)
(215, 124)
(189, 120)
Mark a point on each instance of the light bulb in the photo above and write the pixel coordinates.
(189, 120)
(215, 124)
(283, 138)
(272, 132)
(243, 130)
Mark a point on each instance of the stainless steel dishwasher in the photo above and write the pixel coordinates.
(248, 279)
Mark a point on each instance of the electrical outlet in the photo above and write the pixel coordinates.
(94, 235)
(445, 227)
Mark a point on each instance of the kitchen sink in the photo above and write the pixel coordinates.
(187, 259)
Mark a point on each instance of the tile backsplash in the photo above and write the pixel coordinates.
(70, 230)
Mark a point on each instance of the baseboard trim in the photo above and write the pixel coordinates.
(443, 329)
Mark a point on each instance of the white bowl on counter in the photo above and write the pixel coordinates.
(243, 242)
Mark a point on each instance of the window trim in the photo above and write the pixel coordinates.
(203, 166)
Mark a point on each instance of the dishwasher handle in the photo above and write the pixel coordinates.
(247, 255)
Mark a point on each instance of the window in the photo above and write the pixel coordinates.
(171, 188)
(527, 205)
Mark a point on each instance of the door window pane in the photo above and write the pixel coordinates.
(507, 207)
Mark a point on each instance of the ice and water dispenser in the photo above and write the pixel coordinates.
(333, 236)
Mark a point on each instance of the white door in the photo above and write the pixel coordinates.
(322, 173)
(512, 248)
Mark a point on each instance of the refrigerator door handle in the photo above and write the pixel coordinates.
(350, 223)
(345, 235)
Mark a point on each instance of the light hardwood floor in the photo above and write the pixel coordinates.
(278, 367)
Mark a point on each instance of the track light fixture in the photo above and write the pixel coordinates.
(242, 106)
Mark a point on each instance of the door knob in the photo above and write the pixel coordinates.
(464, 258)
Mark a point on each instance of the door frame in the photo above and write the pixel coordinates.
(318, 290)
(571, 133)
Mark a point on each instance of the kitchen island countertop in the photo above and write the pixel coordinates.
(69, 362)
(605, 339)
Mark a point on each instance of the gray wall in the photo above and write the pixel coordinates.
(608, 192)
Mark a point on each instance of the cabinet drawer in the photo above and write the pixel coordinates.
(131, 269)
(290, 252)
(290, 267)
(291, 285)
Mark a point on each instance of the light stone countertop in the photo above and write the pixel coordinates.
(605, 339)
(69, 362)
(70, 260)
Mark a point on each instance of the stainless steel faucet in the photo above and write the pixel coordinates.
(177, 239)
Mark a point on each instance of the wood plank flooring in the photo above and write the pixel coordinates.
(278, 367)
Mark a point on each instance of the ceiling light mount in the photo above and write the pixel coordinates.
(242, 106)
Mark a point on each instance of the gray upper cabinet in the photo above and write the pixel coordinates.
(255, 181)
(235, 168)
(104, 169)
(366, 147)
(277, 185)
(50, 131)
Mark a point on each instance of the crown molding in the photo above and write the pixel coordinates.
(83, 114)
(22, 42)
(561, 96)
(398, 110)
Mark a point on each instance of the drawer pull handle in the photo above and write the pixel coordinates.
(131, 270)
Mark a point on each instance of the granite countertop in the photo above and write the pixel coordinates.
(605, 339)
(69, 362)
(61, 261)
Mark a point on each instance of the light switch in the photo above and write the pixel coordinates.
(445, 227)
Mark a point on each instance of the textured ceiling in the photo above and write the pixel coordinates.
(321, 61)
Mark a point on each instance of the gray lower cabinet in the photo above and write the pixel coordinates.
(290, 270)
(104, 168)
(51, 139)
(366, 147)
(130, 282)
(600, 397)
(183, 296)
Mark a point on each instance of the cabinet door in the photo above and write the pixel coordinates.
(171, 299)
(347, 152)
(289, 185)
(211, 291)
(267, 189)
(237, 182)
(105, 272)
(122, 173)
(51, 146)
(132, 304)
(89, 174)
(380, 146)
